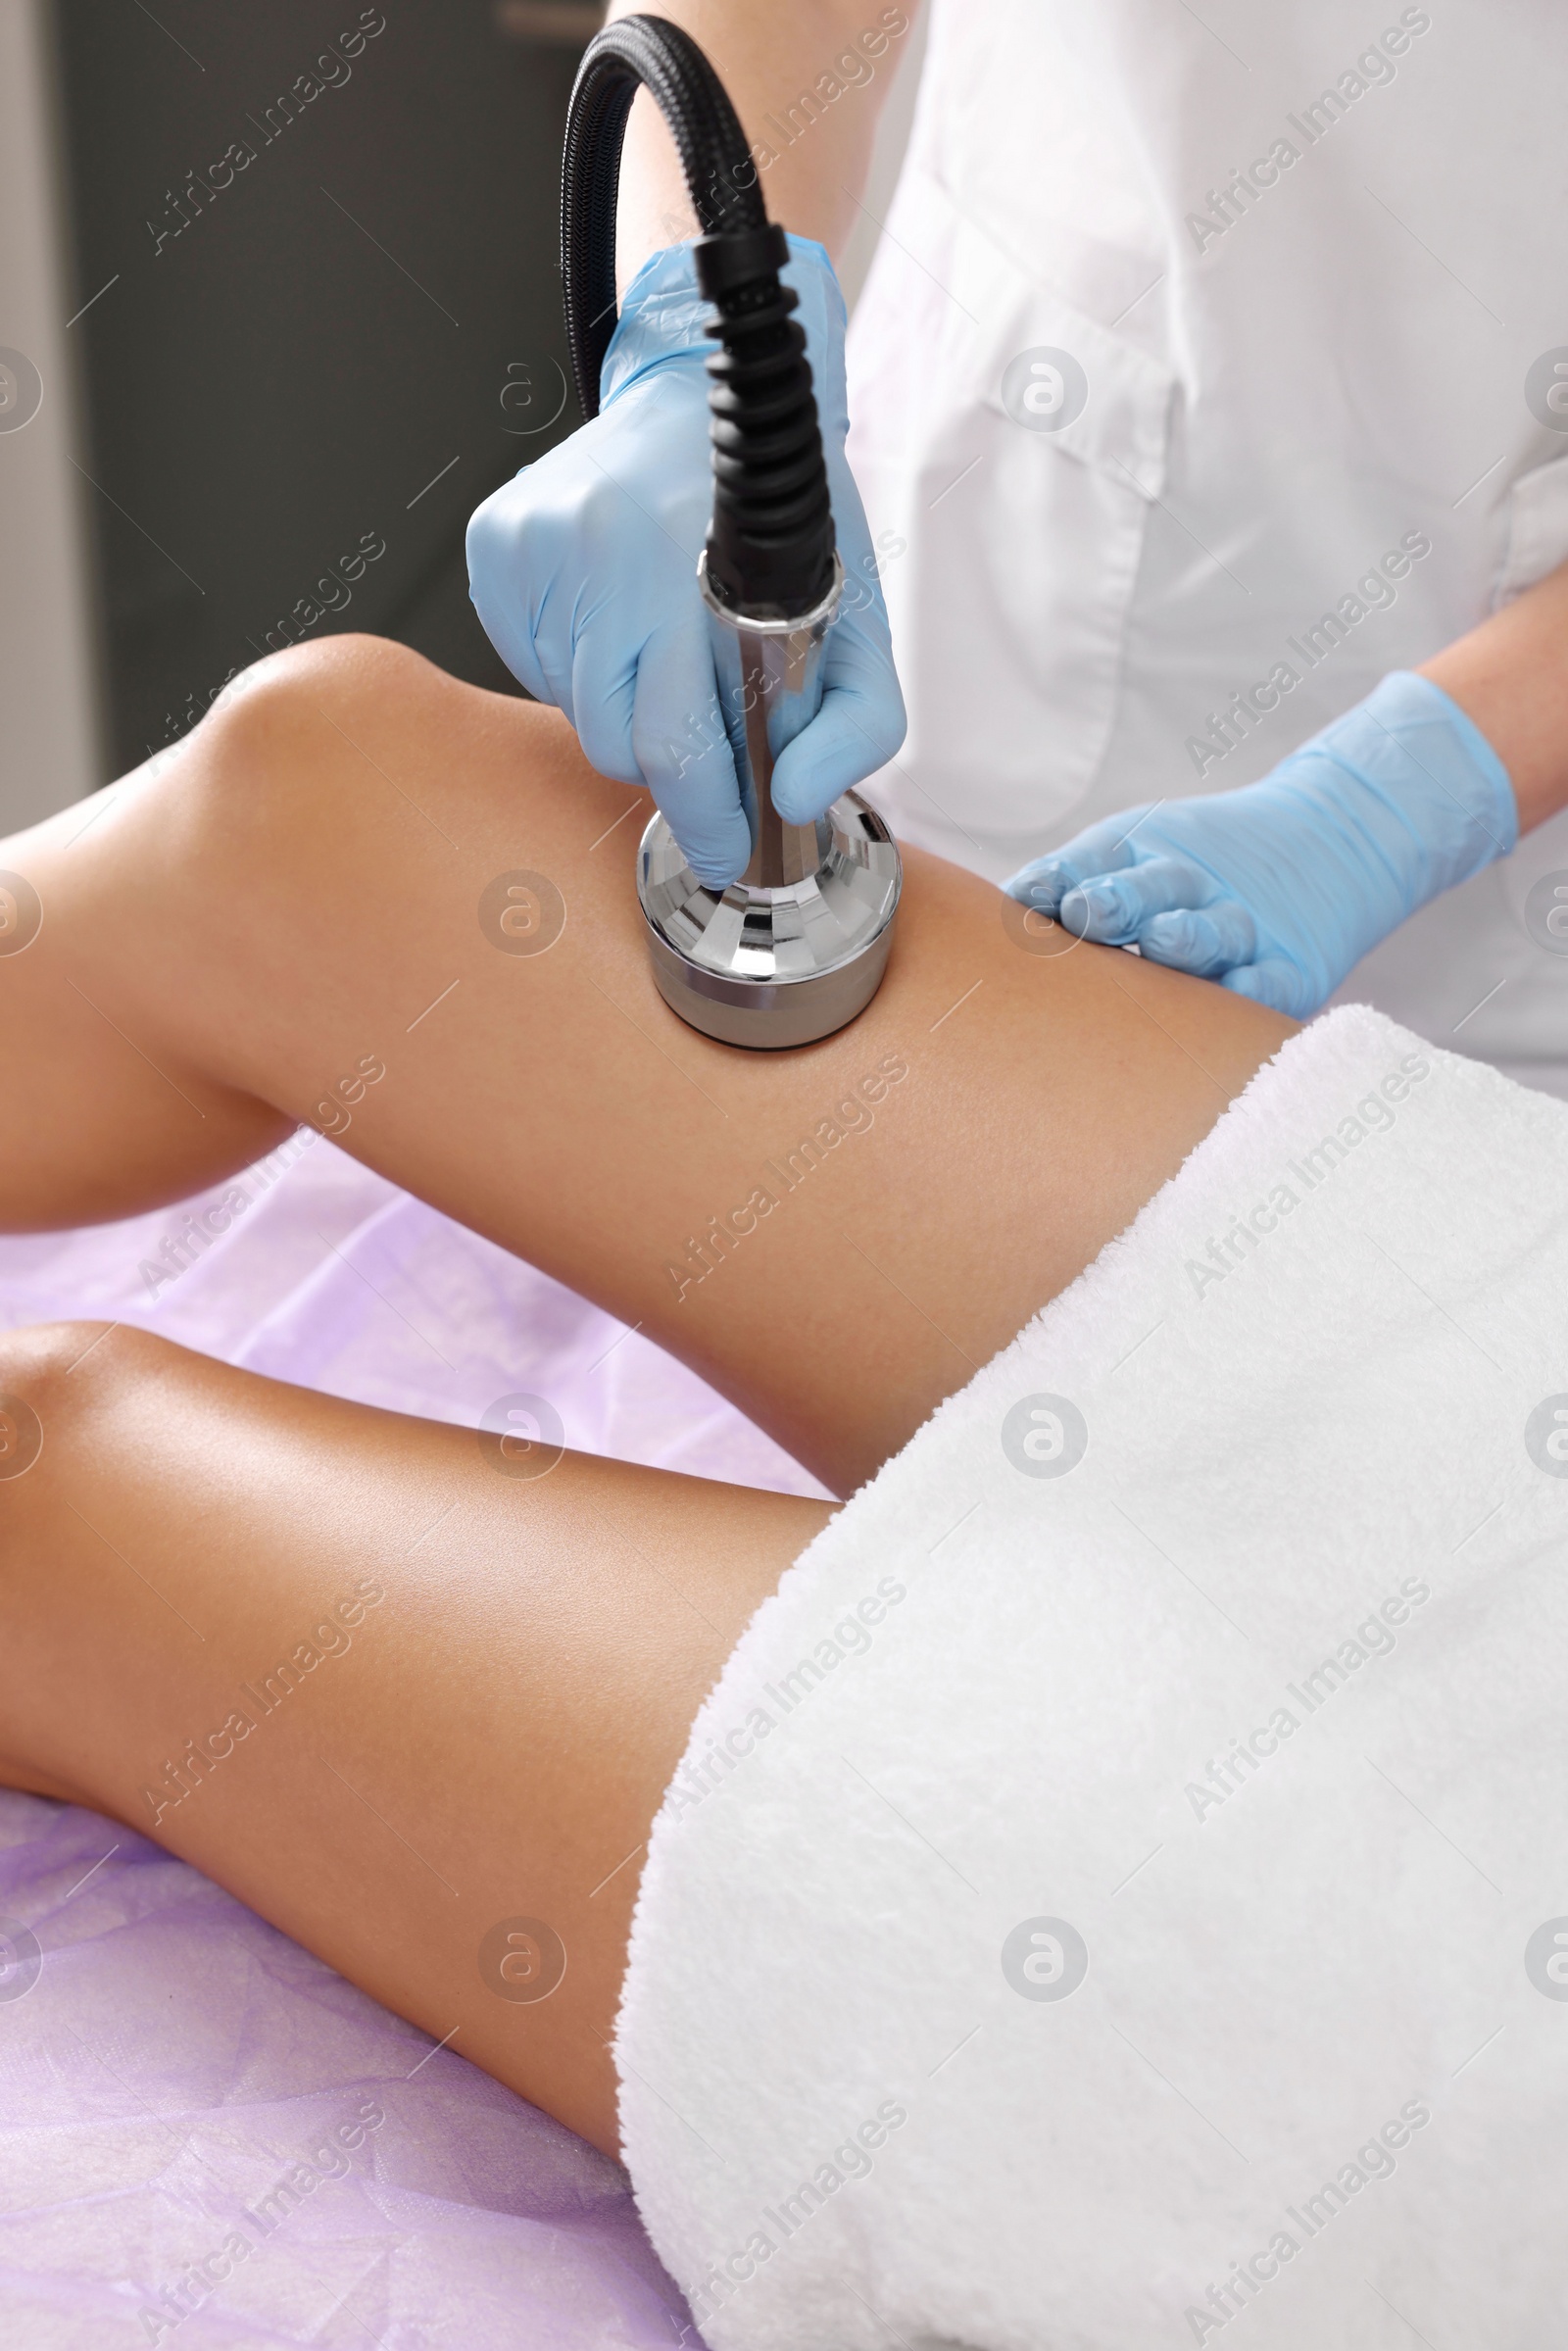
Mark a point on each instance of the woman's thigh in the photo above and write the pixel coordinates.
(411, 1699)
(300, 918)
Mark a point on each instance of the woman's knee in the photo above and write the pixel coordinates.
(36, 1367)
(65, 1390)
(56, 1379)
(259, 833)
(323, 678)
(290, 758)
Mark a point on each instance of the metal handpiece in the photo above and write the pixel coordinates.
(797, 947)
(770, 687)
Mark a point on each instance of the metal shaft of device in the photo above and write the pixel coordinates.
(771, 686)
(780, 853)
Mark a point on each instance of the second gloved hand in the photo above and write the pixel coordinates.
(583, 571)
(1279, 889)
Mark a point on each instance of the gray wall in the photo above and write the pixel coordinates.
(331, 319)
(50, 747)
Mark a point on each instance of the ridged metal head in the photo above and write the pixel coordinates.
(774, 968)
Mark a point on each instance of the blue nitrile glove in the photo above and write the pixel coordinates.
(583, 571)
(1279, 889)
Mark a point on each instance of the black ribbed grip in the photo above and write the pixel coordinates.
(770, 541)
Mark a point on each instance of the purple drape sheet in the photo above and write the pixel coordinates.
(168, 2062)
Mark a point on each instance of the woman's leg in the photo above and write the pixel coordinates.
(299, 916)
(297, 913)
(396, 1697)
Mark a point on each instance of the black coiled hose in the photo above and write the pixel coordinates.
(770, 541)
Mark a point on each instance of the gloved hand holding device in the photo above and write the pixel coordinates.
(1279, 889)
(583, 571)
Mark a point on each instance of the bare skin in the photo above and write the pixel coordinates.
(228, 943)
(298, 894)
(1509, 676)
(767, 58)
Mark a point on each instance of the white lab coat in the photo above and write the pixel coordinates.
(1307, 426)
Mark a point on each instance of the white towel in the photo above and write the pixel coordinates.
(1118, 1893)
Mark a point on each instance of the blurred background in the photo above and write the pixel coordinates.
(280, 304)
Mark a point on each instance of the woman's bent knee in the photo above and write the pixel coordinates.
(267, 768)
(37, 1364)
(57, 1380)
(253, 848)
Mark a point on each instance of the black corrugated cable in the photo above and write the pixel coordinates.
(770, 542)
